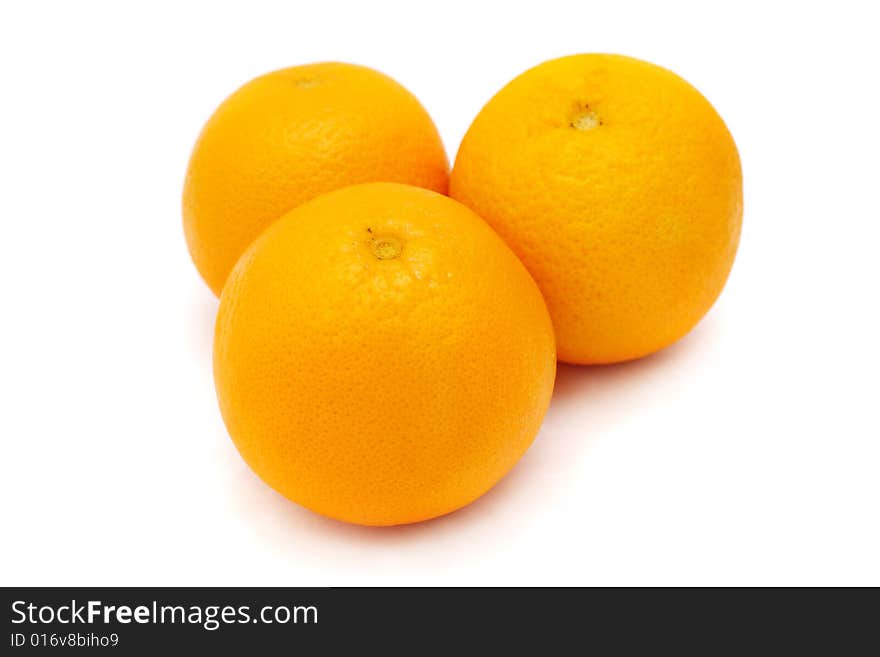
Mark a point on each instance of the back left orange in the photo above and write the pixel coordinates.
(294, 134)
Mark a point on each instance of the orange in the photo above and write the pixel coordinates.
(291, 135)
(381, 356)
(619, 187)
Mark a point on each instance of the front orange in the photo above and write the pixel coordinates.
(381, 356)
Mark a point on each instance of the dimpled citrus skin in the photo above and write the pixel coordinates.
(619, 187)
(381, 356)
(290, 135)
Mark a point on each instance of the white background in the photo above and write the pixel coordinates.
(748, 453)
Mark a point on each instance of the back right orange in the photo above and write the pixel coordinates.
(619, 187)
